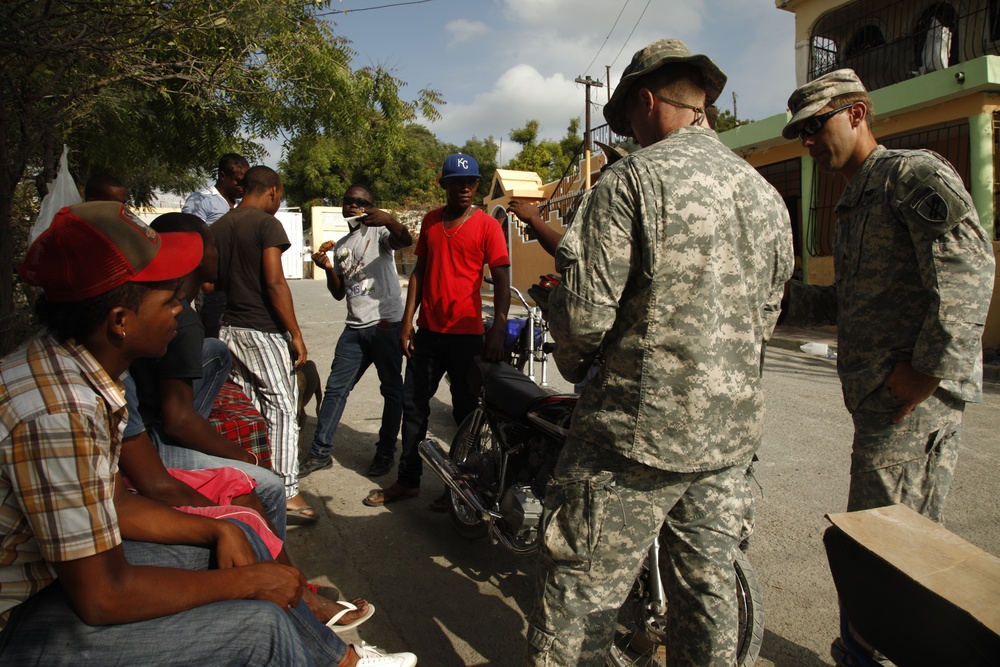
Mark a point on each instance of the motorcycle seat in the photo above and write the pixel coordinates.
(507, 389)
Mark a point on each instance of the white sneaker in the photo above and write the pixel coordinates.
(367, 655)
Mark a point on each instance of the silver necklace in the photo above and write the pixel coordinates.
(444, 230)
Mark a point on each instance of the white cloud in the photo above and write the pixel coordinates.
(520, 94)
(462, 30)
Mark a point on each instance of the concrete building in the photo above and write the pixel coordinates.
(934, 77)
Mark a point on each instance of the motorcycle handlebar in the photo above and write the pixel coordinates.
(513, 290)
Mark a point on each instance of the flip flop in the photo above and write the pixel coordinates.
(392, 494)
(298, 517)
(347, 608)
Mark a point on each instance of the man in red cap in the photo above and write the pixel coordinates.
(88, 578)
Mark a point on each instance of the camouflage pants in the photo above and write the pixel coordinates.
(911, 462)
(602, 512)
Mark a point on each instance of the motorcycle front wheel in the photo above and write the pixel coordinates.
(477, 455)
(640, 636)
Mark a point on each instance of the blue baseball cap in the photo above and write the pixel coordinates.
(459, 164)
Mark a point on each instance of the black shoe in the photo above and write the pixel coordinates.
(381, 465)
(314, 463)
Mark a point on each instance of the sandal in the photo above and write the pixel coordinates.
(303, 516)
(395, 492)
(348, 608)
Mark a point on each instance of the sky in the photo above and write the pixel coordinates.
(500, 63)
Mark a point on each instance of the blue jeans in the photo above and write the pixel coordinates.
(357, 349)
(44, 630)
(216, 362)
(434, 354)
(270, 488)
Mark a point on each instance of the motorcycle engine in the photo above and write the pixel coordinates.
(521, 511)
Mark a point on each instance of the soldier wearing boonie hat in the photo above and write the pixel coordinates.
(659, 54)
(648, 282)
(913, 275)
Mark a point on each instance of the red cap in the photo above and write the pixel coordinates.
(94, 247)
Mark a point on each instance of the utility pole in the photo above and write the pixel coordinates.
(588, 82)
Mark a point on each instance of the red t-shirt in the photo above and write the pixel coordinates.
(453, 271)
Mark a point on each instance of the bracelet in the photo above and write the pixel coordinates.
(256, 461)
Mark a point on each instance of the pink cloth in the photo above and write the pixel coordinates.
(221, 485)
(243, 515)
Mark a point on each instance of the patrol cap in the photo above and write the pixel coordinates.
(813, 96)
(459, 164)
(652, 57)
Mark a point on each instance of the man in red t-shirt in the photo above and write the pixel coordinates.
(454, 244)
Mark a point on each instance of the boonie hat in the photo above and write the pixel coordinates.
(94, 247)
(813, 96)
(611, 153)
(459, 164)
(654, 56)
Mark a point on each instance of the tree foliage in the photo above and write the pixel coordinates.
(153, 92)
(319, 169)
(727, 121)
(549, 159)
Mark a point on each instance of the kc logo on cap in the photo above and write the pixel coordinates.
(460, 165)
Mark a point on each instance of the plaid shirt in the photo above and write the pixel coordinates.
(61, 422)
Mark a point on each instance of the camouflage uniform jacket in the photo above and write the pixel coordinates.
(913, 275)
(673, 270)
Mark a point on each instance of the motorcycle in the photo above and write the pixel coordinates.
(524, 341)
(496, 471)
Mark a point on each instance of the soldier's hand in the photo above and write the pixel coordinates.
(909, 386)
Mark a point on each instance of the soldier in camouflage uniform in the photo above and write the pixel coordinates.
(673, 273)
(913, 278)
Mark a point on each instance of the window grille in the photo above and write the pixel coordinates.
(886, 42)
(950, 140)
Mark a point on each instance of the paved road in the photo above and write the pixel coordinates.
(454, 603)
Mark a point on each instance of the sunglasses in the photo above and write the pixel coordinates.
(816, 123)
(363, 203)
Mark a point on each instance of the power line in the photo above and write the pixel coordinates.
(368, 9)
(631, 33)
(587, 71)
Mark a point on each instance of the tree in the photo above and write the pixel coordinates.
(727, 121)
(319, 169)
(379, 145)
(549, 159)
(154, 92)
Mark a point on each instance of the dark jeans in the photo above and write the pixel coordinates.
(358, 349)
(434, 354)
(44, 629)
(216, 362)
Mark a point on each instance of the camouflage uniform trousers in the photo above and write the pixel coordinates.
(911, 462)
(602, 512)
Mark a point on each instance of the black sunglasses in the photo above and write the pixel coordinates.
(816, 123)
(363, 203)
